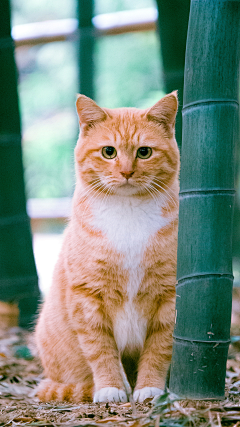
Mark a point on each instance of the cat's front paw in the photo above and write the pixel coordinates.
(146, 393)
(110, 394)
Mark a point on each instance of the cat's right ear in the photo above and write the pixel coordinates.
(164, 111)
(88, 111)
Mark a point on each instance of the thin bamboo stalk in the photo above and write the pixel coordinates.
(18, 276)
(210, 130)
(86, 48)
(172, 25)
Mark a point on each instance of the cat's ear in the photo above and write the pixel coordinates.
(164, 111)
(88, 111)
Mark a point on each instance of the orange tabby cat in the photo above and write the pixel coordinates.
(113, 293)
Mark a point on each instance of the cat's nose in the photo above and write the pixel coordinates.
(127, 174)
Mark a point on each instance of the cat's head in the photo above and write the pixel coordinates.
(127, 151)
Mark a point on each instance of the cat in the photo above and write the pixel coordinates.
(112, 300)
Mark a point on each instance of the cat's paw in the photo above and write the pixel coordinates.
(146, 393)
(110, 394)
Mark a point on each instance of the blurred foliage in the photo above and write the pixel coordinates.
(25, 11)
(128, 70)
(127, 73)
(48, 84)
(109, 6)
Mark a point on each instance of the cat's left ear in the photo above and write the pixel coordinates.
(88, 111)
(164, 111)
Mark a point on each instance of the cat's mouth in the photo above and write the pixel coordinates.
(127, 189)
(127, 184)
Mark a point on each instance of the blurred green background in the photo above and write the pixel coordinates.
(127, 73)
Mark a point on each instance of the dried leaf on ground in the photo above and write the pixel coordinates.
(20, 373)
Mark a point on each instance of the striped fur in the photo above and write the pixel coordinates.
(113, 292)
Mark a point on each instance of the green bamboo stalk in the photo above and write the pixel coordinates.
(210, 130)
(86, 48)
(18, 276)
(172, 25)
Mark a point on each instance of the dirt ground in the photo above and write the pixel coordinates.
(20, 373)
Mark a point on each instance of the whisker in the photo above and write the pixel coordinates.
(105, 196)
(169, 188)
(91, 194)
(150, 192)
(91, 191)
(170, 214)
(169, 195)
(158, 194)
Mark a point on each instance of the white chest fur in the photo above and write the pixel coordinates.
(128, 224)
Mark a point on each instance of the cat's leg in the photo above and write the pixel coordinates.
(102, 355)
(156, 356)
(153, 367)
(97, 342)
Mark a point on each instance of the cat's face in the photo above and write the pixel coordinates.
(127, 151)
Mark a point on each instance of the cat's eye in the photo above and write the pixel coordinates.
(144, 152)
(109, 152)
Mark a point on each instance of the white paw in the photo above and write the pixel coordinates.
(110, 394)
(146, 393)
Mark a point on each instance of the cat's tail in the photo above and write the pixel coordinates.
(75, 393)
